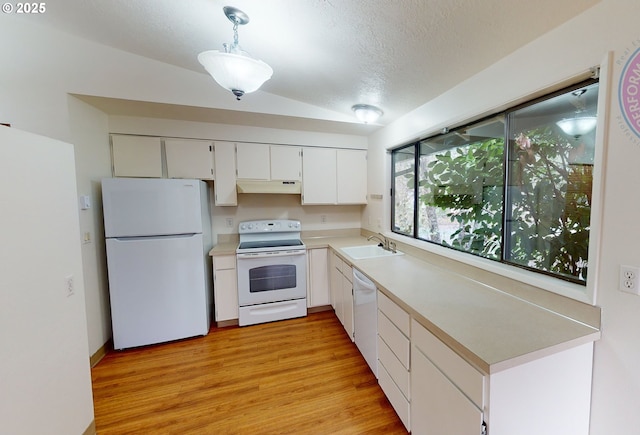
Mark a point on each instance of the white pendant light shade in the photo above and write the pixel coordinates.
(233, 68)
(367, 113)
(235, 72)
(578, 126)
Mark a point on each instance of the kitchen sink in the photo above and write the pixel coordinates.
(368, 251)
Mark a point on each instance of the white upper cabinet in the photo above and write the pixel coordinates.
(319, 181)
(268, 162)
(253, 161)
(136, 156)
(225, 172)
(189, 158)
(286, 163)
(352, 176)
(334, 176)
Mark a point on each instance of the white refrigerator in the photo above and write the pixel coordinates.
(158, 237)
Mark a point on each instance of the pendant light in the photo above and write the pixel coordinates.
(579, 125)
(234, 69)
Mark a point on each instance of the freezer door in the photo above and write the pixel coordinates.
(150, 207)
(158, 289)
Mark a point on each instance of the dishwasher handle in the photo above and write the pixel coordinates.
(363, 283)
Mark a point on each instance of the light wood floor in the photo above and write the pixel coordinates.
(299, 376)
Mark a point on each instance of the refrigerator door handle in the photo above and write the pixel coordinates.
(139, 238)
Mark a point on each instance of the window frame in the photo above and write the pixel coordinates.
(506, 198)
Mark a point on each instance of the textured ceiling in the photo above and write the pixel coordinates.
(328, 53)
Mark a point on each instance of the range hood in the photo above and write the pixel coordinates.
(263, 186)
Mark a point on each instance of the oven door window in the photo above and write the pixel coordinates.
(273, 277)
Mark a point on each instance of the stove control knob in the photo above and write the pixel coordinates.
(250, 226)
(243, 226)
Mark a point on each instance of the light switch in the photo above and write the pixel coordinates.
(85, 202)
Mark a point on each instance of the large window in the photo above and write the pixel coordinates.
(514, 187)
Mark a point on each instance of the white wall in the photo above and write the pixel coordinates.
(611, 25)
(45, 381)
(89, 133)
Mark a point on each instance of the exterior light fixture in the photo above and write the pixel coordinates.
(578, 125)
(234, 69)
(367, 113)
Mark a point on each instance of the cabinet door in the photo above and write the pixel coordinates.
(318, 283)
(225, 173)
(136, 156)
(253, 161)
(437, 406)
(225, 288)
(352, 176)
(336, 289)
(286, 163)
(347, 305)
(319, 176)
(189, 159)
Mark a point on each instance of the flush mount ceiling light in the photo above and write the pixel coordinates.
(578, 125)
(234, 69)
(367, 113)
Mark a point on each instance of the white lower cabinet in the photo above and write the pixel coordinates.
(318, 278)
(447, 393)
(393, 356)
(335, 269)
(347, 300)
(342, 292)
(225, 288)
(550, 395)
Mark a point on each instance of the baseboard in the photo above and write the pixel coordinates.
(100, 353)
(225, 323)
(91, 429)
(319, 309)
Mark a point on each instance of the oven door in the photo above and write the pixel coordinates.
(271, 276)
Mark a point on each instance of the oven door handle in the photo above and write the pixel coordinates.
(270, 254)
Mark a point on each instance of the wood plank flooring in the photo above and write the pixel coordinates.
(299, 376)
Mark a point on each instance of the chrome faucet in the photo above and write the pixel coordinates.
(387, 245)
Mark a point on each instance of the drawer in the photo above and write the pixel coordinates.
(347, 271)
(397, 315)
(394, 338)
(393, 393)
(469, 380)
(338, 263)
(224, 262)
(394, 367)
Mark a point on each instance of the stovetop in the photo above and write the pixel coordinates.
(269, 235)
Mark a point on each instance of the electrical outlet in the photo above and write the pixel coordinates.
(629, 279)
(69, 284)
(323, 218)
(229, 223)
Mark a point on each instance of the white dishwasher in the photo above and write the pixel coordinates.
(365, 315)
